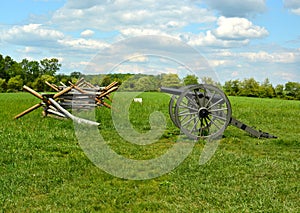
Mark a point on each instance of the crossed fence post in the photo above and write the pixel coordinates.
(44, 99)
(53, 107)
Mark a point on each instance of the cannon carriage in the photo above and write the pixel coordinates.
(204, 111)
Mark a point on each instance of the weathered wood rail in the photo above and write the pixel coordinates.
(82, 95)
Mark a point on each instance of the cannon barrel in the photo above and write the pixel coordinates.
(191, 94)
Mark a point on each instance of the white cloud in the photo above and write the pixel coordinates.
(138, 58)
(234, 8)
(231, 32)
(238, 29)
(296, 11)
(82, 4)
(210, 40)
(292, 5)
(83, 44)
(139, 32)
(113, 15)
(219, 63)
(276, 57)
(287, 76)
(29, 50)
(87, 33)
(31, 35)
(36, 35)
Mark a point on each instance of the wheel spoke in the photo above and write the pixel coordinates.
(201, 127)
(221, 118)
(187, 107)
(204, 98)
(192, 101)
(210, 99)
(207, 124)
(197, 97)
(215, 104)
(218, 110)
(195, 125)
(184, 118)
(189, 121)
(191, 113)
(214, 123)
(182, 112)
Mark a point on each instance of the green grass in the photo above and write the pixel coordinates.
(43, 168)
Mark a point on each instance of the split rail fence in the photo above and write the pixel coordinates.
(82, 95)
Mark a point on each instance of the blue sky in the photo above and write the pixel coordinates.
(239, 39)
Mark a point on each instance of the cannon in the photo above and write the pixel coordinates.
(204, 111)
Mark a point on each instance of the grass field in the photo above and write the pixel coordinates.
(43, 168)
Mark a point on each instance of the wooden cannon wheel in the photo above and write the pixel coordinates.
(172, 106)
(201, 111)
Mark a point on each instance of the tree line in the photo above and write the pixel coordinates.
(252, 88)
(247, 87)
(13, 75)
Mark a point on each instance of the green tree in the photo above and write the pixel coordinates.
(15, 83)
(76, 74)
(105, 80)
(3, 73)
(209, 80)
(8, 68)
(14, 70)
(143, 84)
(49, 66)
(266, 89)
(170, 80)
(147, 83)
(8, 62)
(39, 83)
(31, 70)
(62, 78)
(130, 83)
(279, 91)
(190, 80)
(292, 90)
(250, 88)
(232, 87)
(2, 85)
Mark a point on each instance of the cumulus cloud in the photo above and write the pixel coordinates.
(36, 35)
(238, 29)
(293, 6)
(234, 8)
(231, 32)
(210, 40)
(83, 44)
(276, 57)
(31, 35)
(87, 33)
(113, 15)
(288, 56)
(139, 32)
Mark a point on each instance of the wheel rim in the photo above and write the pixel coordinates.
(202, 111)
(172, 106)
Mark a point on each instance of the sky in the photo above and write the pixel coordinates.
(237, 39)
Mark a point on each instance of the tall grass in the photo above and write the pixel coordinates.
(43, 169)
